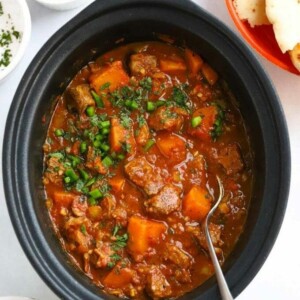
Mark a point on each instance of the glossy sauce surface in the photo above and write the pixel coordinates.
(131, 159)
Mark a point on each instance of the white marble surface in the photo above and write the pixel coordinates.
(277, 280)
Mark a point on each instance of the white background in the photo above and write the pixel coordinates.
(278, 279)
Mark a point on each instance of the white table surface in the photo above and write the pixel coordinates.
(278, 278)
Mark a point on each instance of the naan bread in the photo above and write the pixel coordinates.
(254, 11)
(285, 17)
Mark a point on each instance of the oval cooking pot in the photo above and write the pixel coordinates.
(93, 32)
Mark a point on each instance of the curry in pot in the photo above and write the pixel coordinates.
(131, 157)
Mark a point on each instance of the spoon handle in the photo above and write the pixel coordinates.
(224, 290)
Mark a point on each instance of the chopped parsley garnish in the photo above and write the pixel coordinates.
(146, 83)
(5, 58)
(179, 96)
(120, 242)
(218, 125)
(105, 86)
(114, 258)
(141, 121)
(83, 229)
(125, 120)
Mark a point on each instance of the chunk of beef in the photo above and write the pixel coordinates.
(157, 285)
(230, 158)
(143, 64)
(166, 201)
(215, 233)
(81, 240)
(183, 275)
(94, 163)
(167, 118)
(80, 98)
(142, 135)
(178, 256)
(143, 174)
(101, 256)
(79, 206)
(55, 170)
(202, 91)
(108, 205)
(196, 170)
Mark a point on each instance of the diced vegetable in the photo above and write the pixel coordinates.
(150, 106)
(97, 99)
(95, 213)
(171, 146)
(96, 194)
(196, 121)
(113, 74)
(210, 74)
(59, 132)
(63, 198)
(117, 135)
(194, 61)
(196, 204)
(143, 233)
(149, 145)
(90, 111)
(118, 278)
(107, 162)
(117, 183)
(72, 175)
(168, 65)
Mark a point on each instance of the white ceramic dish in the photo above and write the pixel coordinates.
(15, 15)
(64, 4)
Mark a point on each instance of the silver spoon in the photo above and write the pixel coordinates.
(225, 292)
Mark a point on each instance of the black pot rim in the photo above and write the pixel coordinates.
(25, 232)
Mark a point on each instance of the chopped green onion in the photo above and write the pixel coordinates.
(113, 155)
(134, 105)
(99, 137)
(96, 194)
(160, 103)
(196, 121)
(72, 175)
(104, 124)
(67, 180)
(92, 201)
(105, 86)
(84, 174)
(150, 106)
(107, 161)
(105, 147)
(149, 144)
(83, 147)
(75, 160)
(91, 182)
(90, 111)
(97, 144)
(97, 99)
(121, 156)
(105, 131)
(59, 132)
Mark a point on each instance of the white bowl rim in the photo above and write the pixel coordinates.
(25, 39)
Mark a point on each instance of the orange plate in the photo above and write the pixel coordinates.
(262, 39)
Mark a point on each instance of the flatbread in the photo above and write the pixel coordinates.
(254, 11)
(295, 56)
(285, 17)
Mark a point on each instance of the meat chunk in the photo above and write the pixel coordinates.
(167, 118)
(143, 134)
(79, 206)
(166, 201)
(143, 174)
(202, 91)
(55, 170)
(178, 256)
(196, 170)
(157, 284)
(108, 205)
(94, 163)
(80, 98)
(215, 233)
(230, 158)
(143, 64)
(101, 256)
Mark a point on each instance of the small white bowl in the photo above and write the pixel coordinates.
(15, 13)
(64, 4)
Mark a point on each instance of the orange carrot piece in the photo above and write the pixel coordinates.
(143, 233)
(95, 213)
(117, 135)
(210, 74)
(113, 74)
(194, 61)
(117, 279)
(171, 146)
(196, 204)
(168, 65)
(117, 183)
(63, 198)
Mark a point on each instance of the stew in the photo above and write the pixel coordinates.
(131, 157)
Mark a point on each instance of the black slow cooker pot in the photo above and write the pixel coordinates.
(93, 32)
